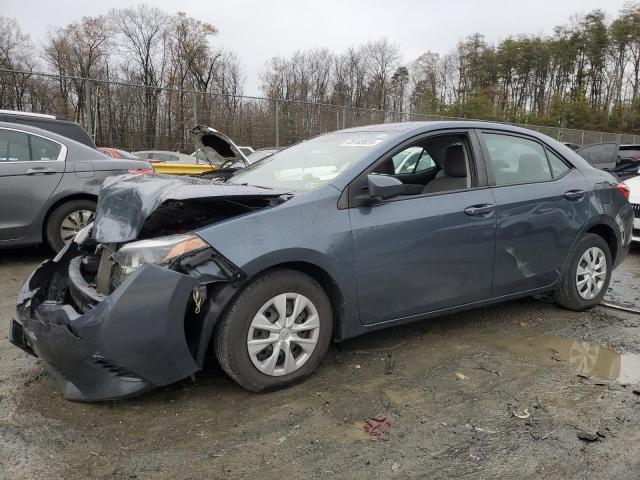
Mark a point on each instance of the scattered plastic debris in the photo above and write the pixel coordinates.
(377, 427)
(525, 414)
(480, 429)
(390, 362)
(588, 436)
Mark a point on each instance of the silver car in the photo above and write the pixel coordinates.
(49, 184)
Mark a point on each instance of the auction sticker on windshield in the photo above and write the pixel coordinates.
(361, 142)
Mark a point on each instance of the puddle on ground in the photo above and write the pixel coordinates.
(583, 357)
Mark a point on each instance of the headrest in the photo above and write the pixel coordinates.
(532, 166)
(455, 164)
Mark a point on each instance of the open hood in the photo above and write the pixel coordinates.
(127, 202)
(219, 150)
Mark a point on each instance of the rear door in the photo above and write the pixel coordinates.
(31, 167)
(542, 205)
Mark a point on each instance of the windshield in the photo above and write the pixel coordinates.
(311, 164)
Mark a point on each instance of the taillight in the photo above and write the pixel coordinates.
(140, 170)
(624, 190)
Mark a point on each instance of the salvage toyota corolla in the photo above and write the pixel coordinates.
(331, 238)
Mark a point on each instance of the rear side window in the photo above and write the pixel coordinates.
(516, 160)
(558, 166)
(43, 149)
(14, 146)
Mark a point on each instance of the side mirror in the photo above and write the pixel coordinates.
(384, 187)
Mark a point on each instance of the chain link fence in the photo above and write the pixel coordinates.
(136, 117)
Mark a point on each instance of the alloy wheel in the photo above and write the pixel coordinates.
(73, 223)
(283, 334)
(591, 273)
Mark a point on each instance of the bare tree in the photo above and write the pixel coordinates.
(144, 38)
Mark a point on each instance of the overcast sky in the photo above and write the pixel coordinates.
(258, 30)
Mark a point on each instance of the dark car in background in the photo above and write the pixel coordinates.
(346, 233)
(49, 184)
(50, 123)
(621, 160)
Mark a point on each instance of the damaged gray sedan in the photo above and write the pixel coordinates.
(343, 234)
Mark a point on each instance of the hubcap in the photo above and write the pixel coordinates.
(283, 334)
(73, 223)
(591, 273)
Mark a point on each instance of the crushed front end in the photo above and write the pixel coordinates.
(131, 303)
(104, 335)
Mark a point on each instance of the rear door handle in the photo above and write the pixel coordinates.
(574, 194)
(40, 171)
(478, 210)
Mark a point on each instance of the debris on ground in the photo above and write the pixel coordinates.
(588, 436)
(525, 414)
(486, 369)
(389, 369)
(461, 376)
(480, 429)
(377, 427)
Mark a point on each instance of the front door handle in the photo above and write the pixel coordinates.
(574, 194)
(40, 171)
(478, 210)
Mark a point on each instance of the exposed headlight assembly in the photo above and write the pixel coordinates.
(159, 251)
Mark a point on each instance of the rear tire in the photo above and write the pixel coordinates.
(287, 356)
(63, 212)
(585, 283)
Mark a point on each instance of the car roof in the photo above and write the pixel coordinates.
(419, 127)
(74, 147)
(39, 131)
(50, 123)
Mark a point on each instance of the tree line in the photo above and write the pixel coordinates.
(585, 75)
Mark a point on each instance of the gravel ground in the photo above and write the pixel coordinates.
(454, 390)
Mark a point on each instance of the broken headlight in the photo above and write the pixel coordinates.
(159, 251)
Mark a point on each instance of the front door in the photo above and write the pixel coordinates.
(429, 251)
(30, 169)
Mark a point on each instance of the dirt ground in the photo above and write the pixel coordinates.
(454, 390)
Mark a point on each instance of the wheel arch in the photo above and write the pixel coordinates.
(608, 234)
(326, 281)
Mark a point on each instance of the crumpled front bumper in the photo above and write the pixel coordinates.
(131, 341)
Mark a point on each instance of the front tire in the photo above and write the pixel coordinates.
(587, 276)
(275, 332)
